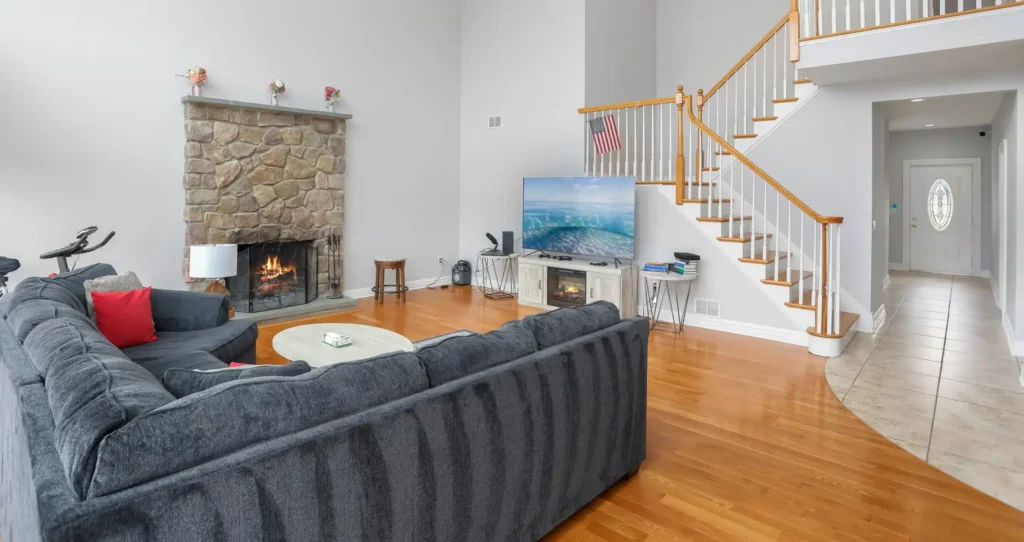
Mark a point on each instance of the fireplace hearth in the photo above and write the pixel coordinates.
(274, 276)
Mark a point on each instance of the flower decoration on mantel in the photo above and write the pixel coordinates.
(197, 76)
(331, 95)
(276, 88)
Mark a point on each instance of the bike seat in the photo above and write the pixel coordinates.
(8, 265)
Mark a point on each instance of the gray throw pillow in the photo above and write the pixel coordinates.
(124, 282)
(184, 382)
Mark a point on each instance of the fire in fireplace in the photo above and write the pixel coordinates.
(274, 276)
(566, 287)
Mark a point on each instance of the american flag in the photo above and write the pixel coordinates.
(606, 134)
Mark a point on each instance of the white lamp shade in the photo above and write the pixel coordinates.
(212, 261)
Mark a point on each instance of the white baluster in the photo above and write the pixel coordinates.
(909, 11)
(817, 284)
(764, 88)
(745, 70)
(942, 7)
(878, 12)
(775, 69)
(693, 167)
(654, 149)
(862, 15)
(625, 146)
(821, 22)
(732, 186)
(832, 279)
(636, 147)
(778, 242)
(839, 293)
(847, 14)
(764, 230)
(785, 66)
(834, 12)
(743, 200)
(977, 4)
(643, 143)
(661, 144)
(586, 145)
(803, 247)
(618, 153)
(960, 6)
(736, 108)
(892, 11)
(924, 8)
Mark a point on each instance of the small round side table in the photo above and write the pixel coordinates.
(398, 288)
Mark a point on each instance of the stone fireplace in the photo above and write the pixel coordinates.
(257, 175)
(274, 276)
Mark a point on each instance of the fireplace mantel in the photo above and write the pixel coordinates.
(219, 102)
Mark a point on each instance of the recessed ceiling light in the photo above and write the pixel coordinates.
(917, 100)
(929, 125)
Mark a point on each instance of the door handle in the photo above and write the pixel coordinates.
(591, 292)
(539, 287)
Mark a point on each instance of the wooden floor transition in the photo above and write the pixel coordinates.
(745, 442)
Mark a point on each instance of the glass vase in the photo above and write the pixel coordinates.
(273, 98)
(330, 106)
(197, 90)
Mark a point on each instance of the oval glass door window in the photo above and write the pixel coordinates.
(940, 205)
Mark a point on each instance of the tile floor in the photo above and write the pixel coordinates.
(939, 380)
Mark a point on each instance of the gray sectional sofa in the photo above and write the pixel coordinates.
(497, 436)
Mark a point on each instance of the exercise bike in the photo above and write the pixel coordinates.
(76, 248)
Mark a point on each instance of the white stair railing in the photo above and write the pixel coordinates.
(821, 18)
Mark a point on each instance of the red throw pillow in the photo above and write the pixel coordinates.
(125, 318)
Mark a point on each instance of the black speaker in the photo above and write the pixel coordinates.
(508, 243)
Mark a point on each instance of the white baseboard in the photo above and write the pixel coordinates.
(360, 293)
(995, 290)
(788, 336)
(886, 282)
(878, 319)
(1016, 345)
(897, 266)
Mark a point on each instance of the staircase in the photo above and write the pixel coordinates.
(693, 148)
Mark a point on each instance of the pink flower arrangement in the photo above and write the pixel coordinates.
(197, 75)
(331, 94)
(276, 87)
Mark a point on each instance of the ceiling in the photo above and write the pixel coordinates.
(945, 111)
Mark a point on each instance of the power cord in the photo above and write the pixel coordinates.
(431, 286)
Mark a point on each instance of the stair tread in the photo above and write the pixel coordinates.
(785, 100)
(802, 81)
(744, 136)
(846, 322)
(772, 257)
(764, 119)
(723, 218)
(746, 238)
(711, 169)
(723, 153)
(788, 279)
(705, 200)
(805, 301)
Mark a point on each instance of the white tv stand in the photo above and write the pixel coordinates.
(603, 283)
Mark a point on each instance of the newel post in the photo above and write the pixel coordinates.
(680, 158)
(823, 299)
(794, 31)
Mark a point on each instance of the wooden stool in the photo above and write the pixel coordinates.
(399, 286)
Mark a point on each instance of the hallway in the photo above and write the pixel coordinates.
(939, 380)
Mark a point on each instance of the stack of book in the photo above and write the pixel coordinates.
(658, 267)
(684, 268)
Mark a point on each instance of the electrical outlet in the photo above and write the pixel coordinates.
(701, 306)
(494, 121)
(440, 260)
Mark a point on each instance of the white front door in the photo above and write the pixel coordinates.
(940, 218)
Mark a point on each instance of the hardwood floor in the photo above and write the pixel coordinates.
(746, 441)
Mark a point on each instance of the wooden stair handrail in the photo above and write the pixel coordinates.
(627, 105)
(760, 172)
(748, 56)
(819, 35)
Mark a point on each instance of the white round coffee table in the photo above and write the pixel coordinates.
(305, 343)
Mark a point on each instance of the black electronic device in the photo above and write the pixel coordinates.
(508, 243)
(462, 273)
(599, 264)
(492, 240)
(545, 256)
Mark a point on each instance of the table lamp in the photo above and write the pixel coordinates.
(213, 262)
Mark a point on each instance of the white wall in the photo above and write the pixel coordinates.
(937, 144)
(525, 61)
(93, 120)
(700, 41)
(879, 205)
(1007, 125)
(620, 51)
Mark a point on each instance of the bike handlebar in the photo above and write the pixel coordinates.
(78, 247)
(102, 243)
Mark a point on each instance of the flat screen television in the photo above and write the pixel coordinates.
(587, 216)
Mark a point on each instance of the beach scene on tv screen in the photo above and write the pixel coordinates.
(583, 216)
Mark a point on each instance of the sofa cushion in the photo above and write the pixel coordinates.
(226, 342)
(182, 382)
(191, 359)
(221, 420)
(92, 390)
(36, 288)
(125, 318)
(33, 312)
(74, 281)
(563, 325)
(124, 282)
(458, 356)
